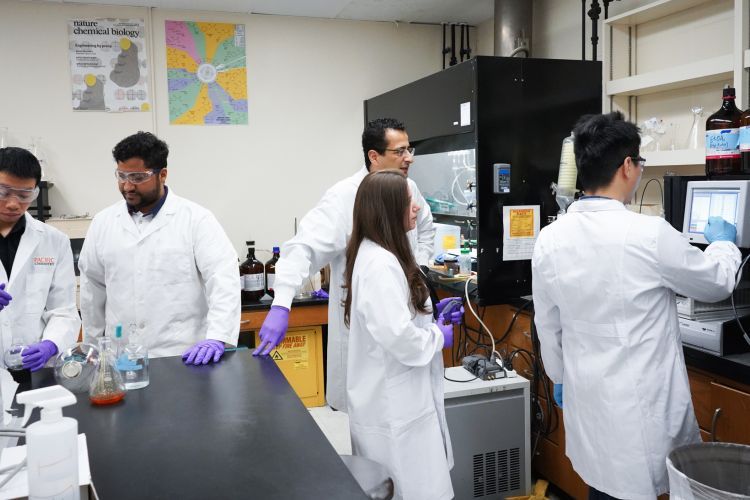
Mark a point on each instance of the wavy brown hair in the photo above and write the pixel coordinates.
(380, 210)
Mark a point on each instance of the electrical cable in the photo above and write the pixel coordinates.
(643, 193)
(471, 308)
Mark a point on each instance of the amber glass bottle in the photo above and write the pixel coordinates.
(722, 138)
(271, 271)
(252, 276)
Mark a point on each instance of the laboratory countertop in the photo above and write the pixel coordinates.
(265, 303)
(231, 430)
(735, 367)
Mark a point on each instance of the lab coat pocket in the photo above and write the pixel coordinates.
(409, 395)
(601, 349)
(173, 266)
(37, 289)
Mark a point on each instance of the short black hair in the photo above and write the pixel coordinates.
(20, 163)
(144, 145)
(373, 137)
(602, 142)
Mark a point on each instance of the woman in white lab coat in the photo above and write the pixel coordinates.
(395, 365)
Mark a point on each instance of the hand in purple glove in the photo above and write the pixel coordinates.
(320, 294)
(36, 355)
(447, 332)
(273, 330)
(455, 310)
(5, 297)
(204, 352)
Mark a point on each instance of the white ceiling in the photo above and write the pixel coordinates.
(422, 11)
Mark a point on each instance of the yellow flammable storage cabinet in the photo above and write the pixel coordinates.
(300, 359)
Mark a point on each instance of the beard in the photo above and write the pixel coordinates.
(136, 200)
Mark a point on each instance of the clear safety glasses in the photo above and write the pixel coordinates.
(135, 177)
(402, 151)
(22, 195)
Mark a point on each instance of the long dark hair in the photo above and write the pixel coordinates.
(379, 215)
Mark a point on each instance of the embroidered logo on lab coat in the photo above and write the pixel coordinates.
(44, 261)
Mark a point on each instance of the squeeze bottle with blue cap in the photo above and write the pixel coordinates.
(51, 445)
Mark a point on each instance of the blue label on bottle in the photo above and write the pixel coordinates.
(723, 143)
(745, 138)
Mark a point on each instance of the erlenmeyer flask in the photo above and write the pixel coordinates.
(106, 386)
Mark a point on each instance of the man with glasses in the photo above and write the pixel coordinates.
(158, 264)
(37, 282)
(604, 281)
(321, 239)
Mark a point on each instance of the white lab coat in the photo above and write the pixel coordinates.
(43, 286)
(604, 283)
(177, 281)
(321, 239)
(395, 383)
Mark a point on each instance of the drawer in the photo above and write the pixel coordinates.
(700, 388)
(733, 420)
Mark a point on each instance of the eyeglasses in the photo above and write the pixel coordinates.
(135, 177)
(402, 151)
(641, 161)
(23, 195)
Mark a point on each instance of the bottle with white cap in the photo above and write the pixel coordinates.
(51, 444)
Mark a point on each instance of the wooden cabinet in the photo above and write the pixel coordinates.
(722, 407)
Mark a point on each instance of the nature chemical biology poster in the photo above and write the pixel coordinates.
(108, 64)
(206, 73)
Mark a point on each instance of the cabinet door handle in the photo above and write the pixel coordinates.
(715, 419)
(526, 334)
(244, 321)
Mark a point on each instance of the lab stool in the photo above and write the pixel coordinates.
(371, 476)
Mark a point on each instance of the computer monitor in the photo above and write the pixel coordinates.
(726, 199)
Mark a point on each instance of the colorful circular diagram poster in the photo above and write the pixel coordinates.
(206, 73)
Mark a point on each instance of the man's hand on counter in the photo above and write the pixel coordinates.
(273, 330)
(204, 352)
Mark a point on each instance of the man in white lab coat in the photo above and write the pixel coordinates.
(37, 268)
(604, 281)
(158, 264)
(321, 239)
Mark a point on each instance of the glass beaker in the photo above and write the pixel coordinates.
(106, 386)
(132, 361)
(14, 360)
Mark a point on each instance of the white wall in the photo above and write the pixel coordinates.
(307, 79)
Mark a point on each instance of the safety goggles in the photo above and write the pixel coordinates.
(135, 177)
(402, 151)
(22, 195)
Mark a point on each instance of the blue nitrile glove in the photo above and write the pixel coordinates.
(455, 313)
(320, 294)
(273, 330)
(447, 332)
(204, 352)
(5, 297)
(557, 392)
(36, 355)
(718, 229)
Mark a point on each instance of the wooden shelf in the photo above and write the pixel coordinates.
(652, 11)
(687, 75)
(678, 157)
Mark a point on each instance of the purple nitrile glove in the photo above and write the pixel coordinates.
(5, 297)
(273, 330)
(36, 355)
(321, 294)
(204, 352)
(455, 311)
(447, 332)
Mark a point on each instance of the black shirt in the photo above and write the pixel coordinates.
(9, 244)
